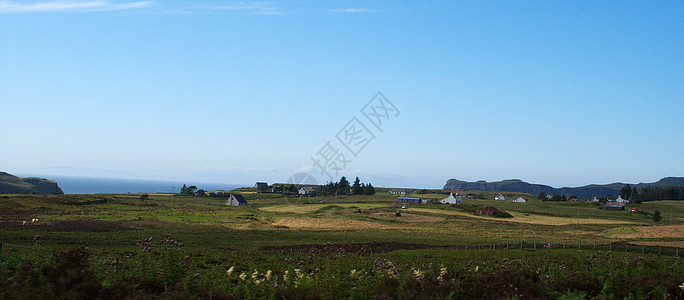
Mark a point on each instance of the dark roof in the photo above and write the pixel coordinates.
(489, 208)
(239, 198)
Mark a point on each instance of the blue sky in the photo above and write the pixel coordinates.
(563, 93)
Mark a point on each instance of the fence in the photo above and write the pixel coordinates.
(519, 245)
(610, 246)
(382, 247)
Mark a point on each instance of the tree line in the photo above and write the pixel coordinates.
(632, 193)
(651, 193)
(343, 187)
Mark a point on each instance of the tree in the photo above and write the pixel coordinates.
(201, 193)
(343, 186)
(542, 196)
(656, 216)
(188, 191)
(144, 197)
(292, 188)
(625, 192)
(635, 193)
(357, 189)
(369, 190)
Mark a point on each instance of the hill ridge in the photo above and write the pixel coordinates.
(10, 184)
(585, 192)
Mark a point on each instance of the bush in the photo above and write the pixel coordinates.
(501, 214)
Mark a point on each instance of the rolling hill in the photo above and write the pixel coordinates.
(10, 184)
(586, 192)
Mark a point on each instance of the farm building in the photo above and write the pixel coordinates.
(307, 191)
(595, 199)
(261, 186)
(398, 191)
(500, 197)
(236, 200)
(620, 200)
(452, 199)
(489, 210)
(614, 205)
(408, 200)
(520, 200)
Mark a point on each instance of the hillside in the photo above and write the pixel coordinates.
(587, 191)
(10, 184)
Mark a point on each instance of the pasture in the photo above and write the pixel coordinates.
(274, 231)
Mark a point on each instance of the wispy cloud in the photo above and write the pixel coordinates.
(248, 8)
(69, 6)
(353, 10)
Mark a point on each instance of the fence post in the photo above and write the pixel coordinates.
(642, 248)
(610, 246)
(535, 245)
(626, 247)
(521, 245)
(0, 248)
(506, 246)
(676, 253)
(579, 245)
(659, 250)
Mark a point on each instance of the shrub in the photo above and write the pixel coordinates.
(501, 214)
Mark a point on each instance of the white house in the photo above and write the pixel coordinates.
(458, 199)
(520, 200)
(500, 197)
(398, 191)
(620, 200)
(236, 200)
(595, 199)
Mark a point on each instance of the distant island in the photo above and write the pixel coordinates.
(10, 184)
(584, 192)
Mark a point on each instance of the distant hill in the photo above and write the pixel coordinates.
(10, 184)
(584, 192)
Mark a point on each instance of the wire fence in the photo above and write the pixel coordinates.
(518, 245)
(601, 246)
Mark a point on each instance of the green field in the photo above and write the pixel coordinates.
(275, 230)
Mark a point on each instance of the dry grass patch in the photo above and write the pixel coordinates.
(655, 232)
(673, 244)
(529, 219)
(408, 217)
(328, 224)
(308, 208)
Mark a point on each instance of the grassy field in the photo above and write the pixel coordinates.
(274, 219)
(113, 226)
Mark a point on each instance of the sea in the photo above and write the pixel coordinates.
(95, 185)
